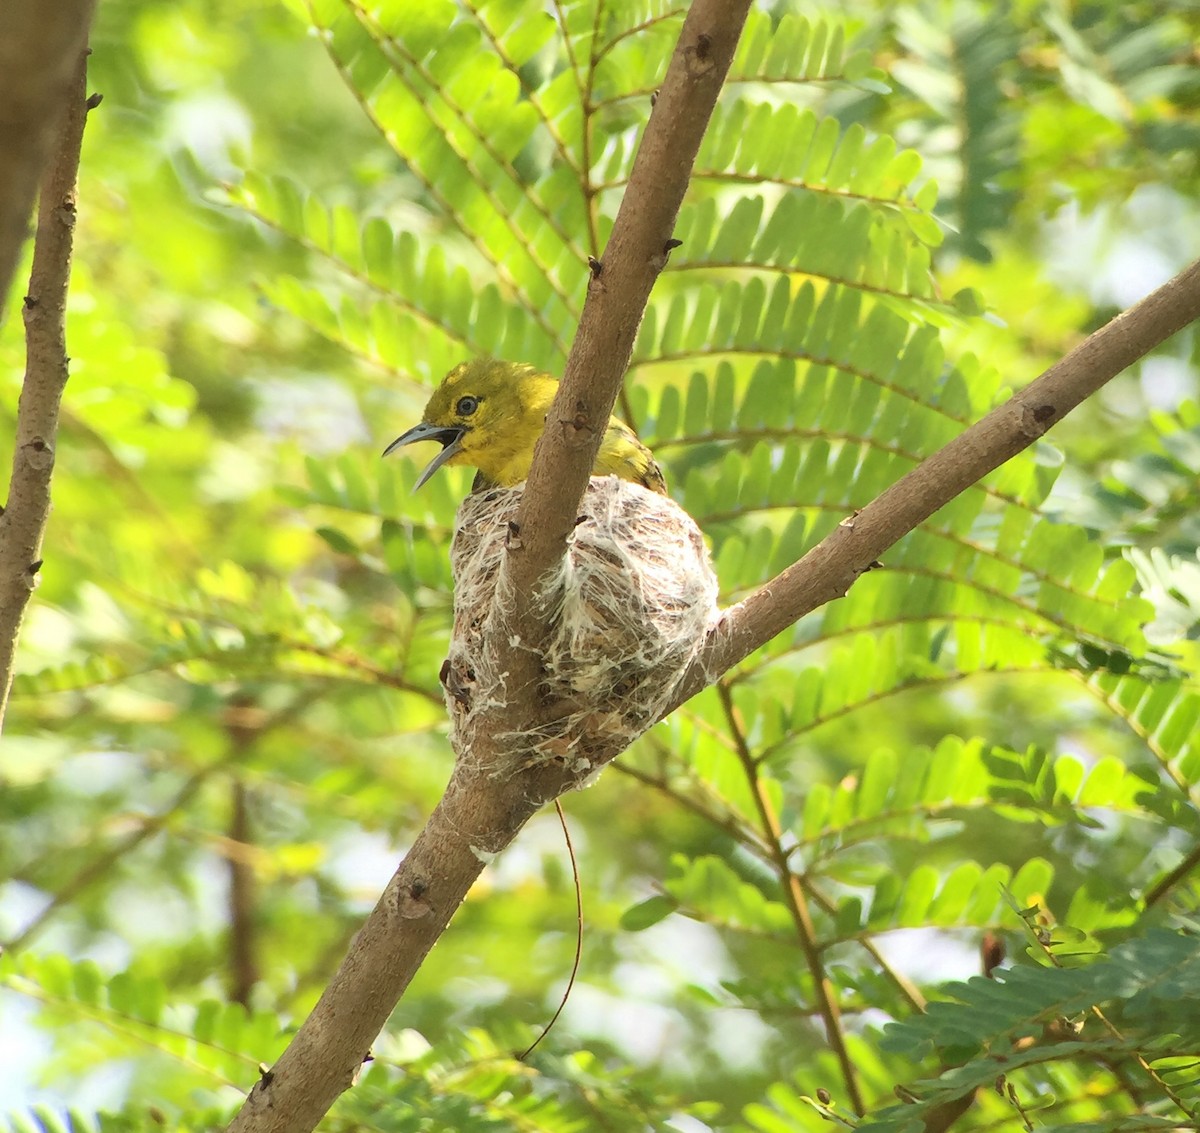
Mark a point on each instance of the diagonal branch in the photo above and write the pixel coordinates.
(23, 521)
(830, 568)
(617, 293)
(483, 809)
(1171, 878)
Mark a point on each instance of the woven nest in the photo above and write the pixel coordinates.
(627, 611)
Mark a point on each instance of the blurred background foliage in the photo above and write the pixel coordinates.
(229, 726)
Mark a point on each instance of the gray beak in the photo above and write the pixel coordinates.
(449, 436)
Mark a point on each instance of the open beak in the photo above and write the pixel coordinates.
(449, 436)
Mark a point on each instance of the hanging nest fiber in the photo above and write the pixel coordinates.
(627, 610)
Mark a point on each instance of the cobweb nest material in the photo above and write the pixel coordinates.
(627, 610)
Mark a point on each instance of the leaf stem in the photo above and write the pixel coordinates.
(1169, 880)
(796, 901)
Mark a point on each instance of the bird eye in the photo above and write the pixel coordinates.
(466, 406)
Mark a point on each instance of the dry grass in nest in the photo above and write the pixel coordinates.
(627, 611)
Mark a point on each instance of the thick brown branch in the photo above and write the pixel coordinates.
(830, 568)
(24, 520)
(40, 45)
(618, 290)
(482, 811)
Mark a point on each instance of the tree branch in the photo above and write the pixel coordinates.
(40, 45)
(1171, 878)
(618, 290)
(23, 522)
(487, 801)
(830, 568)
(243, 961)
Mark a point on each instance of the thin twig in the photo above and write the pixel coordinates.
(727, 823)
(1173, 877)
(909, 990)
(796, 901)
(829, 569)
(562, 818)
(101, 867)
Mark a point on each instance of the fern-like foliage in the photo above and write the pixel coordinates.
(995, 729)
(1067, 1048)
(130, 1011)
(472, 1082)
(788, 369)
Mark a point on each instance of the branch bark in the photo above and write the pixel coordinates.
(40, 45)
(243, 959)
(23, 522)
(487, 803)
(479, 815)
(830, 568)
(618, 290)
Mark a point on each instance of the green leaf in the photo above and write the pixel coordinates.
(647, 913)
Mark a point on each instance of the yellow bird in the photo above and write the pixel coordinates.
(488, 414)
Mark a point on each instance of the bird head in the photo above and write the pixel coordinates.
(476, 414)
